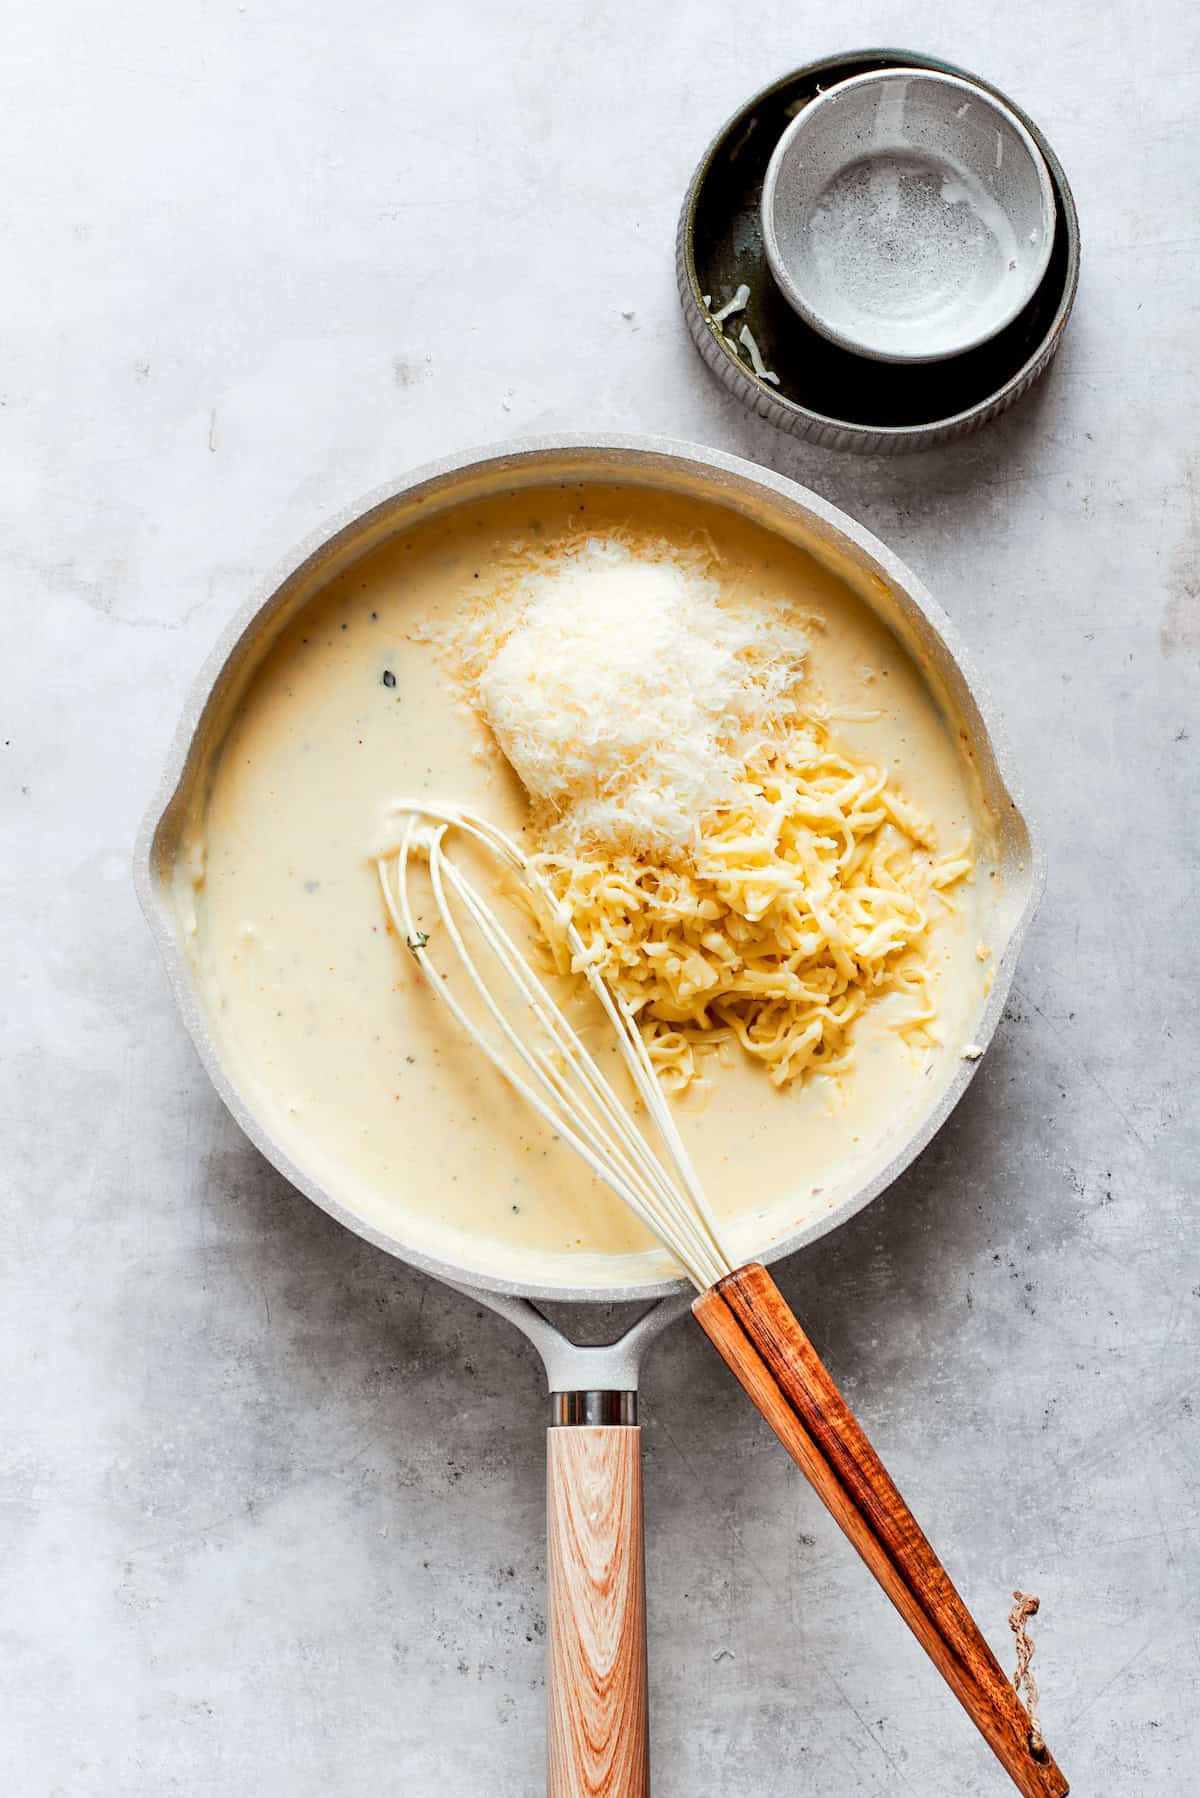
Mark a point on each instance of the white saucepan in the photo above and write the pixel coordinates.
(597, 1720)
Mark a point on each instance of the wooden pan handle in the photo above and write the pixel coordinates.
(597, 1737)
(748, 1320)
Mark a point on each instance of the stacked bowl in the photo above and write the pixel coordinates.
(878, 253)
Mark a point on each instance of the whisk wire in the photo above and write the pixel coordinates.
(565, 1039)
(405, 922)
(563, 1083)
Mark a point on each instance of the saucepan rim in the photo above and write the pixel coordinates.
(636, 456)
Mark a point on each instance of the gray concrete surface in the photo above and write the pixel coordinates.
(270, 1506)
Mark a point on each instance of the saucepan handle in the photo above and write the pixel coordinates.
(597, 1736)
(749, 1321)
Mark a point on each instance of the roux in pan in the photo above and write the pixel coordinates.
(372, 1093)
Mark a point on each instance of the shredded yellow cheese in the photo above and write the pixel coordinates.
(807, 900)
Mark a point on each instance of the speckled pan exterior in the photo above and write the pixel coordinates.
(687, 469)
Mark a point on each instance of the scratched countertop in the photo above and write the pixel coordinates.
(271, 1505)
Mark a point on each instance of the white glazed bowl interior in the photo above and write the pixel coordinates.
(907, 215)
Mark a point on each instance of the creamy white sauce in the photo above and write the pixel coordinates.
(313, 1003)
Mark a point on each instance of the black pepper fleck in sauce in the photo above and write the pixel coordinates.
(389, 679)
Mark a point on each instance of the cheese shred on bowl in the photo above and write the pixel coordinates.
(741, 878)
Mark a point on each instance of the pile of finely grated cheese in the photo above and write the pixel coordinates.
(628, 698)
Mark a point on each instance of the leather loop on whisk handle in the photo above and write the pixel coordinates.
(597, 1742)
(749, 1321)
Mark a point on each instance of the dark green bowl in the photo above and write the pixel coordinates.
(826, 394)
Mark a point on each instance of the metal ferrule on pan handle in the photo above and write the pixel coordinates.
(593, 1408)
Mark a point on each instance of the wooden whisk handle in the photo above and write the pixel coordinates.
(597, 1736)
(749, 1321)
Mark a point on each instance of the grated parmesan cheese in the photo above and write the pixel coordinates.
(627, 696)
(738, 303)
(747, 338)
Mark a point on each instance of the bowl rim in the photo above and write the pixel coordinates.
(784, 276)
(805, 421)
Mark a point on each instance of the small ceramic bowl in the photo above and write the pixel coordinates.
(907, 215)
